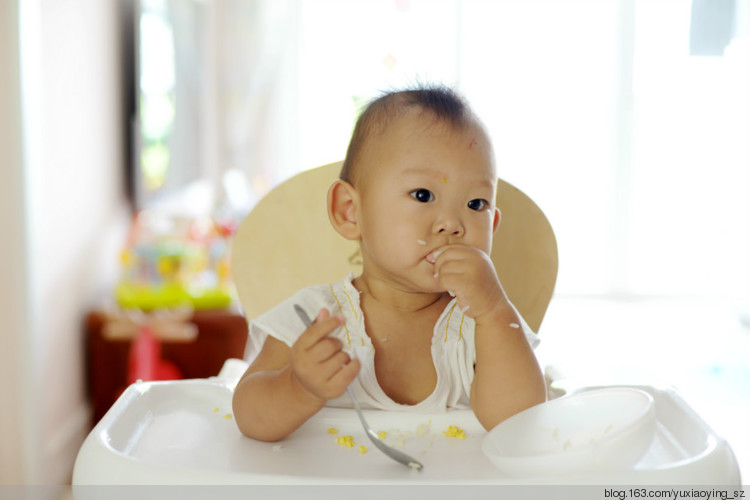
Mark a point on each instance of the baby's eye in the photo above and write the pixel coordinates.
(422, 195)
(477, 205)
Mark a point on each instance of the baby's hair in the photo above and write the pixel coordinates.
(444, 103)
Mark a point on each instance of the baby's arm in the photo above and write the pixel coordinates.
(507, 377)
(285, 386)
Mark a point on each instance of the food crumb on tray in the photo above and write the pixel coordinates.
(347, 441)
(455, 432)
(333, 431)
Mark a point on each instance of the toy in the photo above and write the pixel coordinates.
(170, 261)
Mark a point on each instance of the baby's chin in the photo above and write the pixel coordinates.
(428, 285)
(422, 284)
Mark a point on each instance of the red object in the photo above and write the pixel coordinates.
(145, 361)
(222, 334)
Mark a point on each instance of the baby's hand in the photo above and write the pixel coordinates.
(318, 361)
(469, 274)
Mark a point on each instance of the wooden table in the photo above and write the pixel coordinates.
(222, 334)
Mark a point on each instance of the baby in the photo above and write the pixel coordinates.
(427, 325)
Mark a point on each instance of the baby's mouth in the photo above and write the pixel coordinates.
(432, 256)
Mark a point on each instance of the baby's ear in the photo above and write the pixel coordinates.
(496, 220)
(342, 209)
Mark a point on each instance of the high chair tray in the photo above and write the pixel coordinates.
(183, 432)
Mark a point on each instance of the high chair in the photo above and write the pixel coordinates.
(287, 243)
(182, 432)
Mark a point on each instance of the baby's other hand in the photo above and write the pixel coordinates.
(469, 274)
(318, 361)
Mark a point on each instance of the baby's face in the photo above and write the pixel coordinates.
(422, 185)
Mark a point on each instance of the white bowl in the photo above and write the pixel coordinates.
(594, 430)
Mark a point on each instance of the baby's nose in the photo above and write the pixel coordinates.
(449, 225)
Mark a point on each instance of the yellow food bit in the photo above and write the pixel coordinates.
(347, 441)
(333, 431)
(455, 432)
(228, 415)
(362, 450)
(216, 410)
(381, 434)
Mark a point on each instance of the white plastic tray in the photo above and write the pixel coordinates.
(181, 433)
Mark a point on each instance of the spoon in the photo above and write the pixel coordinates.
(395, 454)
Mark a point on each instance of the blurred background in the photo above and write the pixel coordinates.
(627, 121)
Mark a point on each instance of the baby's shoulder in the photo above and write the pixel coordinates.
(311, 299)
(283, 323)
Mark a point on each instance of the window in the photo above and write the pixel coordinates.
(635, 148)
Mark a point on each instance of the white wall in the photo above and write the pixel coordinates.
(13, 283)
(66, 203)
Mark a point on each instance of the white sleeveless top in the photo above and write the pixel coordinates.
(453, 351)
